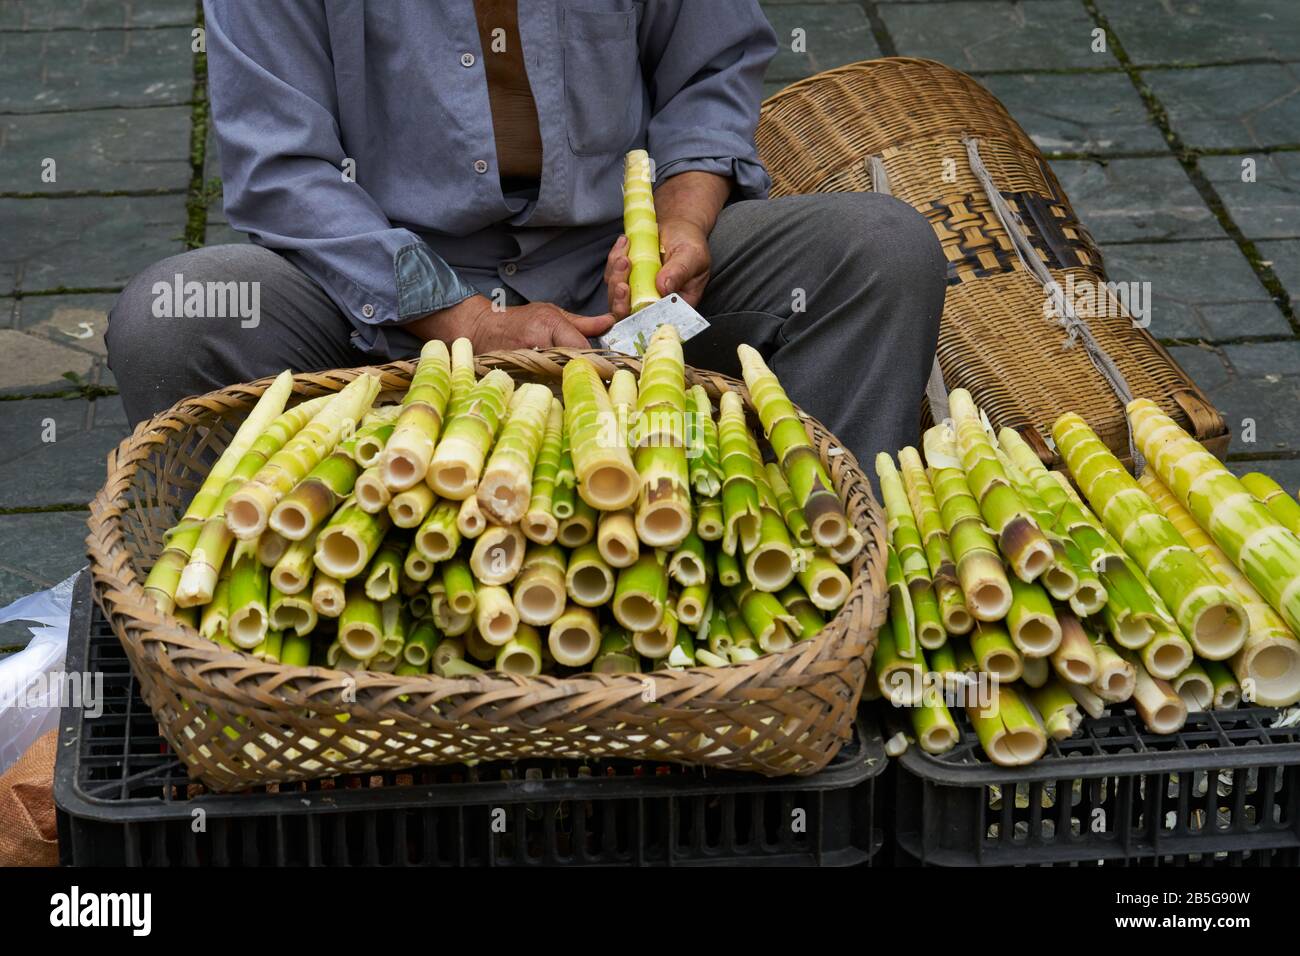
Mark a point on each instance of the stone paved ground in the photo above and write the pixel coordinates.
(1150, 137)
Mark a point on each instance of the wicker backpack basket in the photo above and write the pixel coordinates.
(922, 131)
(236, 721)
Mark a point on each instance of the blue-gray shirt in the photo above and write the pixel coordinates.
(356, 138)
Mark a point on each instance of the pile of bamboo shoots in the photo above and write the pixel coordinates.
(484, 525)
(1031, 605)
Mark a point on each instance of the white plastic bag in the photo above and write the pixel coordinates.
(32, 681)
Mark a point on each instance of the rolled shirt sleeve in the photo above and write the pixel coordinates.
(704, 65)
(273, 100)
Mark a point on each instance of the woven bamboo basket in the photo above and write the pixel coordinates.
(236, 721)
(902, 126)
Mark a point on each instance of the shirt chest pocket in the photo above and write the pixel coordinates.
(602, 79)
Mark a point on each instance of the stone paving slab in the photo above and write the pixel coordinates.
(36, 365)
(1269, 207)
(1284, 258)
(1127, 200)
(1232, 107)
(1256, 382)
(972, 35)
(1285, 471)
(78, 69)
(94, 14)
(1205, 31)
(1078, 113)
(73, 321)
(97, 150)
(68, 470)
(37, 551)
(1199, 290)
(85, 243)
(834, 34)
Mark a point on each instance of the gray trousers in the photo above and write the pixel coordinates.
(842, 293)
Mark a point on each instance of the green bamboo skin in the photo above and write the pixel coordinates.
(1037, 672)
(1194, 686)
(580, 527)
(663, 512)
(249, 593)
(506, 487)
(268, 649)
(641, 228)
(809, 481)
(385, 570)
(165, 575)
(606, 479)
(498, 554)
(539, 591)
(522, 655)
(709, 520)
(912, 558)
(805, 612)
(574, 637)
(409, 451)
(616, 538)
(900, 679)
(208, 552)
(1031, 620)
(463, 378)
(616, 655)
(744, 646)
(682, 654)
(214, 622)
(1269, 662)
(539, 524)
(249, 508)
(1008, 731)
(691, 604)
(729, 574)
(589, 581)
(824, 582)
(291, 612)
(495, 617)
(327, 595)
(1075, 659)
(902, 616)
(770, 564)
(938, 553)
(347, 543)
(1058, 708)
(1020, 539)
(314, 499)
(271, 547)
(702, 445)
(1285, 509)
(715, 631)
(448, 651)
(689, 564)
(365, 447)
(1227, 692)
(409, 508)
(566, 482)
(1061, 579)
(458, 586)
(979, 565)
(790, 511)
(439, 535)
(371, 494)
(420, 645)
(741, 509)
(657, 641)
(767, 619)
(470, 520)
(641, 593)
(936, 731)
(295, 650)
(361, 626)
(1207, 612)
(995, 652)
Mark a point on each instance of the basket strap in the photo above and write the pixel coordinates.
(936, 392)
(1076, 328)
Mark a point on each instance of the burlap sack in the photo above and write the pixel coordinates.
(28, 836)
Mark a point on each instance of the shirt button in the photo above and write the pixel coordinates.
(480, 166)
(467, 60)
(510, 269)
(368, 311)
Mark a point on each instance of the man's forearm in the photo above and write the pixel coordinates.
(694, 197)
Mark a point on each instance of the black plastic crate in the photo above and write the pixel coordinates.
(124, 799)
(1224, 791)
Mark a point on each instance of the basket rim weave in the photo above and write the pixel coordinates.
(184, 656)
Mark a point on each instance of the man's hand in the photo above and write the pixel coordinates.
(536, 325)
(687, 207)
